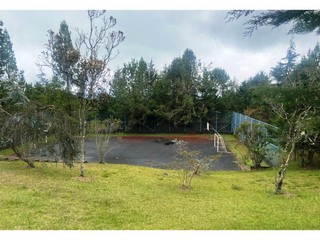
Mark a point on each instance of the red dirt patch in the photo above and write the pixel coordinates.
(187, 138)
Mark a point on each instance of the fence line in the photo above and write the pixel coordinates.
(218, 123)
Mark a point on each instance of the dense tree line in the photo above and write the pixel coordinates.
(180, 93)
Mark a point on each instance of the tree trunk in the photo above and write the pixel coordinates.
(196, 171)
(101, 155)
(282, 171)
(22, 157)
(302, 162)
(310, 157)
(82, 122)
(82, 155)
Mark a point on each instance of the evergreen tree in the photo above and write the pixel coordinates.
(283, 69)
(9, 73)
(182, 73)
(189, 72)
(8, 64)
(65, 35)
(251, 95)
(207, 89)
(2, 54)
(151, 78)
(302, 21)
(220, 78)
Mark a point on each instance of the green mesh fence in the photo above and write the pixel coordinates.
(218, 122)
(272, 150)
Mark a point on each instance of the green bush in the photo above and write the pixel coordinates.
(255, 139)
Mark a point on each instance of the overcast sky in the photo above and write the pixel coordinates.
(162, 36)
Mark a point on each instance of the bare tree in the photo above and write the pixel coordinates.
(85, 66)
(188, 163)
(102, 131)
(93, 68)
(296, 123)
(98, 38)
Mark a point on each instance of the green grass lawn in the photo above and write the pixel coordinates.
(131, 197)
(6, 152)
(238, 149)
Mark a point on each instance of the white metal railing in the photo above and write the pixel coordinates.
(218, 142)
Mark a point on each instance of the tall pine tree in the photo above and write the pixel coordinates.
(8, 64)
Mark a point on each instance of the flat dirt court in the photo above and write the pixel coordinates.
(151, 151)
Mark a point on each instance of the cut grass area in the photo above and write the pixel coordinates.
(131, 197)
(239, 150)
(6, 152)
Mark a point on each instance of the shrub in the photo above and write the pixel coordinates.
(189, 163)
(102, 131)
(255, 139)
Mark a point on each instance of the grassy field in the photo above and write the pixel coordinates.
(238, 149)
(131, 197)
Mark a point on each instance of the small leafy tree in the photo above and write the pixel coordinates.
(26, 126)
(62, 144)
(24, 132)
(255, 139)
(189, 163)
(102, 131)
(35, 127)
